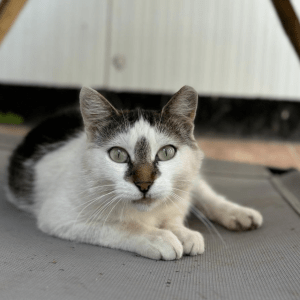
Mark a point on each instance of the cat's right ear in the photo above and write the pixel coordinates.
(95, 109)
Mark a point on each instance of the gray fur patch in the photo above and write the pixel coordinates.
(171, 125)
(142, 151)
(50, 135)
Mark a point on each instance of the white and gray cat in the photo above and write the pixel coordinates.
(121, 179)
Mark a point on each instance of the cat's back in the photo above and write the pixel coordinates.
(48, 136)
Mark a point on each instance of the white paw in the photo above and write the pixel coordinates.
(192, 242)
(240, 218)
(163, 245)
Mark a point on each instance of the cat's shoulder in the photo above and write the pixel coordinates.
(48, 136)
(52, 132)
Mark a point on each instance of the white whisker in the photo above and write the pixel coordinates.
(96, 214)
(175, 204)
(93, 200)
(111, 211)
(204, 220)
(125, 202)
(181, 190)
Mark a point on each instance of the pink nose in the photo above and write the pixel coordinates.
(143, 185)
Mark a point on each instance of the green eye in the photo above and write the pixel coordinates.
(118, 155)
(166, 153)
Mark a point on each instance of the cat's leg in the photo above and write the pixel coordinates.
(217, 208)
(192, 241)
(147, 241)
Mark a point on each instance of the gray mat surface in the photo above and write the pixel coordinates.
(262, 264)
(288, 185)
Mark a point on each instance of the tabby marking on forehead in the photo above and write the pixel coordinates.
(144, 169)
(142, 150)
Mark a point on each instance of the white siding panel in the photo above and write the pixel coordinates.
(56, 43)
(231, 48)
(220, 47)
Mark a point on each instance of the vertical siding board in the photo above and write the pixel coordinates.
(135, 43)
(240, 59)
(172, 35)
(270, 63)
(292, 68)
(202, 40)
(193, 59)
(258, 54)
(184, 61)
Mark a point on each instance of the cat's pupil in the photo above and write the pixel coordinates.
(166, 153)
(118, 155)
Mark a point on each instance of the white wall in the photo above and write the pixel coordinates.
(220, 47)
(56, 43)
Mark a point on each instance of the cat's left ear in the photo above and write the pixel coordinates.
(94, 107)
(183, 104)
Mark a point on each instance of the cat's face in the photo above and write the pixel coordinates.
(144, 157)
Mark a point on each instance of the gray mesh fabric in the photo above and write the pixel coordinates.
(262, 264)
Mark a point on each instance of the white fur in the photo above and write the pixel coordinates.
(75, 183)
(217, 208)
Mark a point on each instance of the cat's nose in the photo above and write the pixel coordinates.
(143, 186)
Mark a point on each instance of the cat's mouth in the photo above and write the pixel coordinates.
(144, 200)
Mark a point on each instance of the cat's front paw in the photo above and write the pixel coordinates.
(163, 245)
(192, 242)
(240, 218)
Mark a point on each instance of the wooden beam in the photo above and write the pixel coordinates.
(289, 21)
(9, 10)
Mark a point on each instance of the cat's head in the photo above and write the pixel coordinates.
(145, 157)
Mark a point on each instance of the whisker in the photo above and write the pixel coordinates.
(85, 202)
(165, 202)
(99, 216)
(93, 200)
(95, 188)
(204, 220)
(74, 223)
(185, 180)
(181, 190)
(120, 199)
(95, 215)
(175, 204)
(125, 202)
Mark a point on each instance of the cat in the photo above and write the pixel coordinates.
(121, 179)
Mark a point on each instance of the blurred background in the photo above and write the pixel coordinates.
(236, 54)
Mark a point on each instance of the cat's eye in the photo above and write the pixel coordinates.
(166, 153)
(118, 155)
